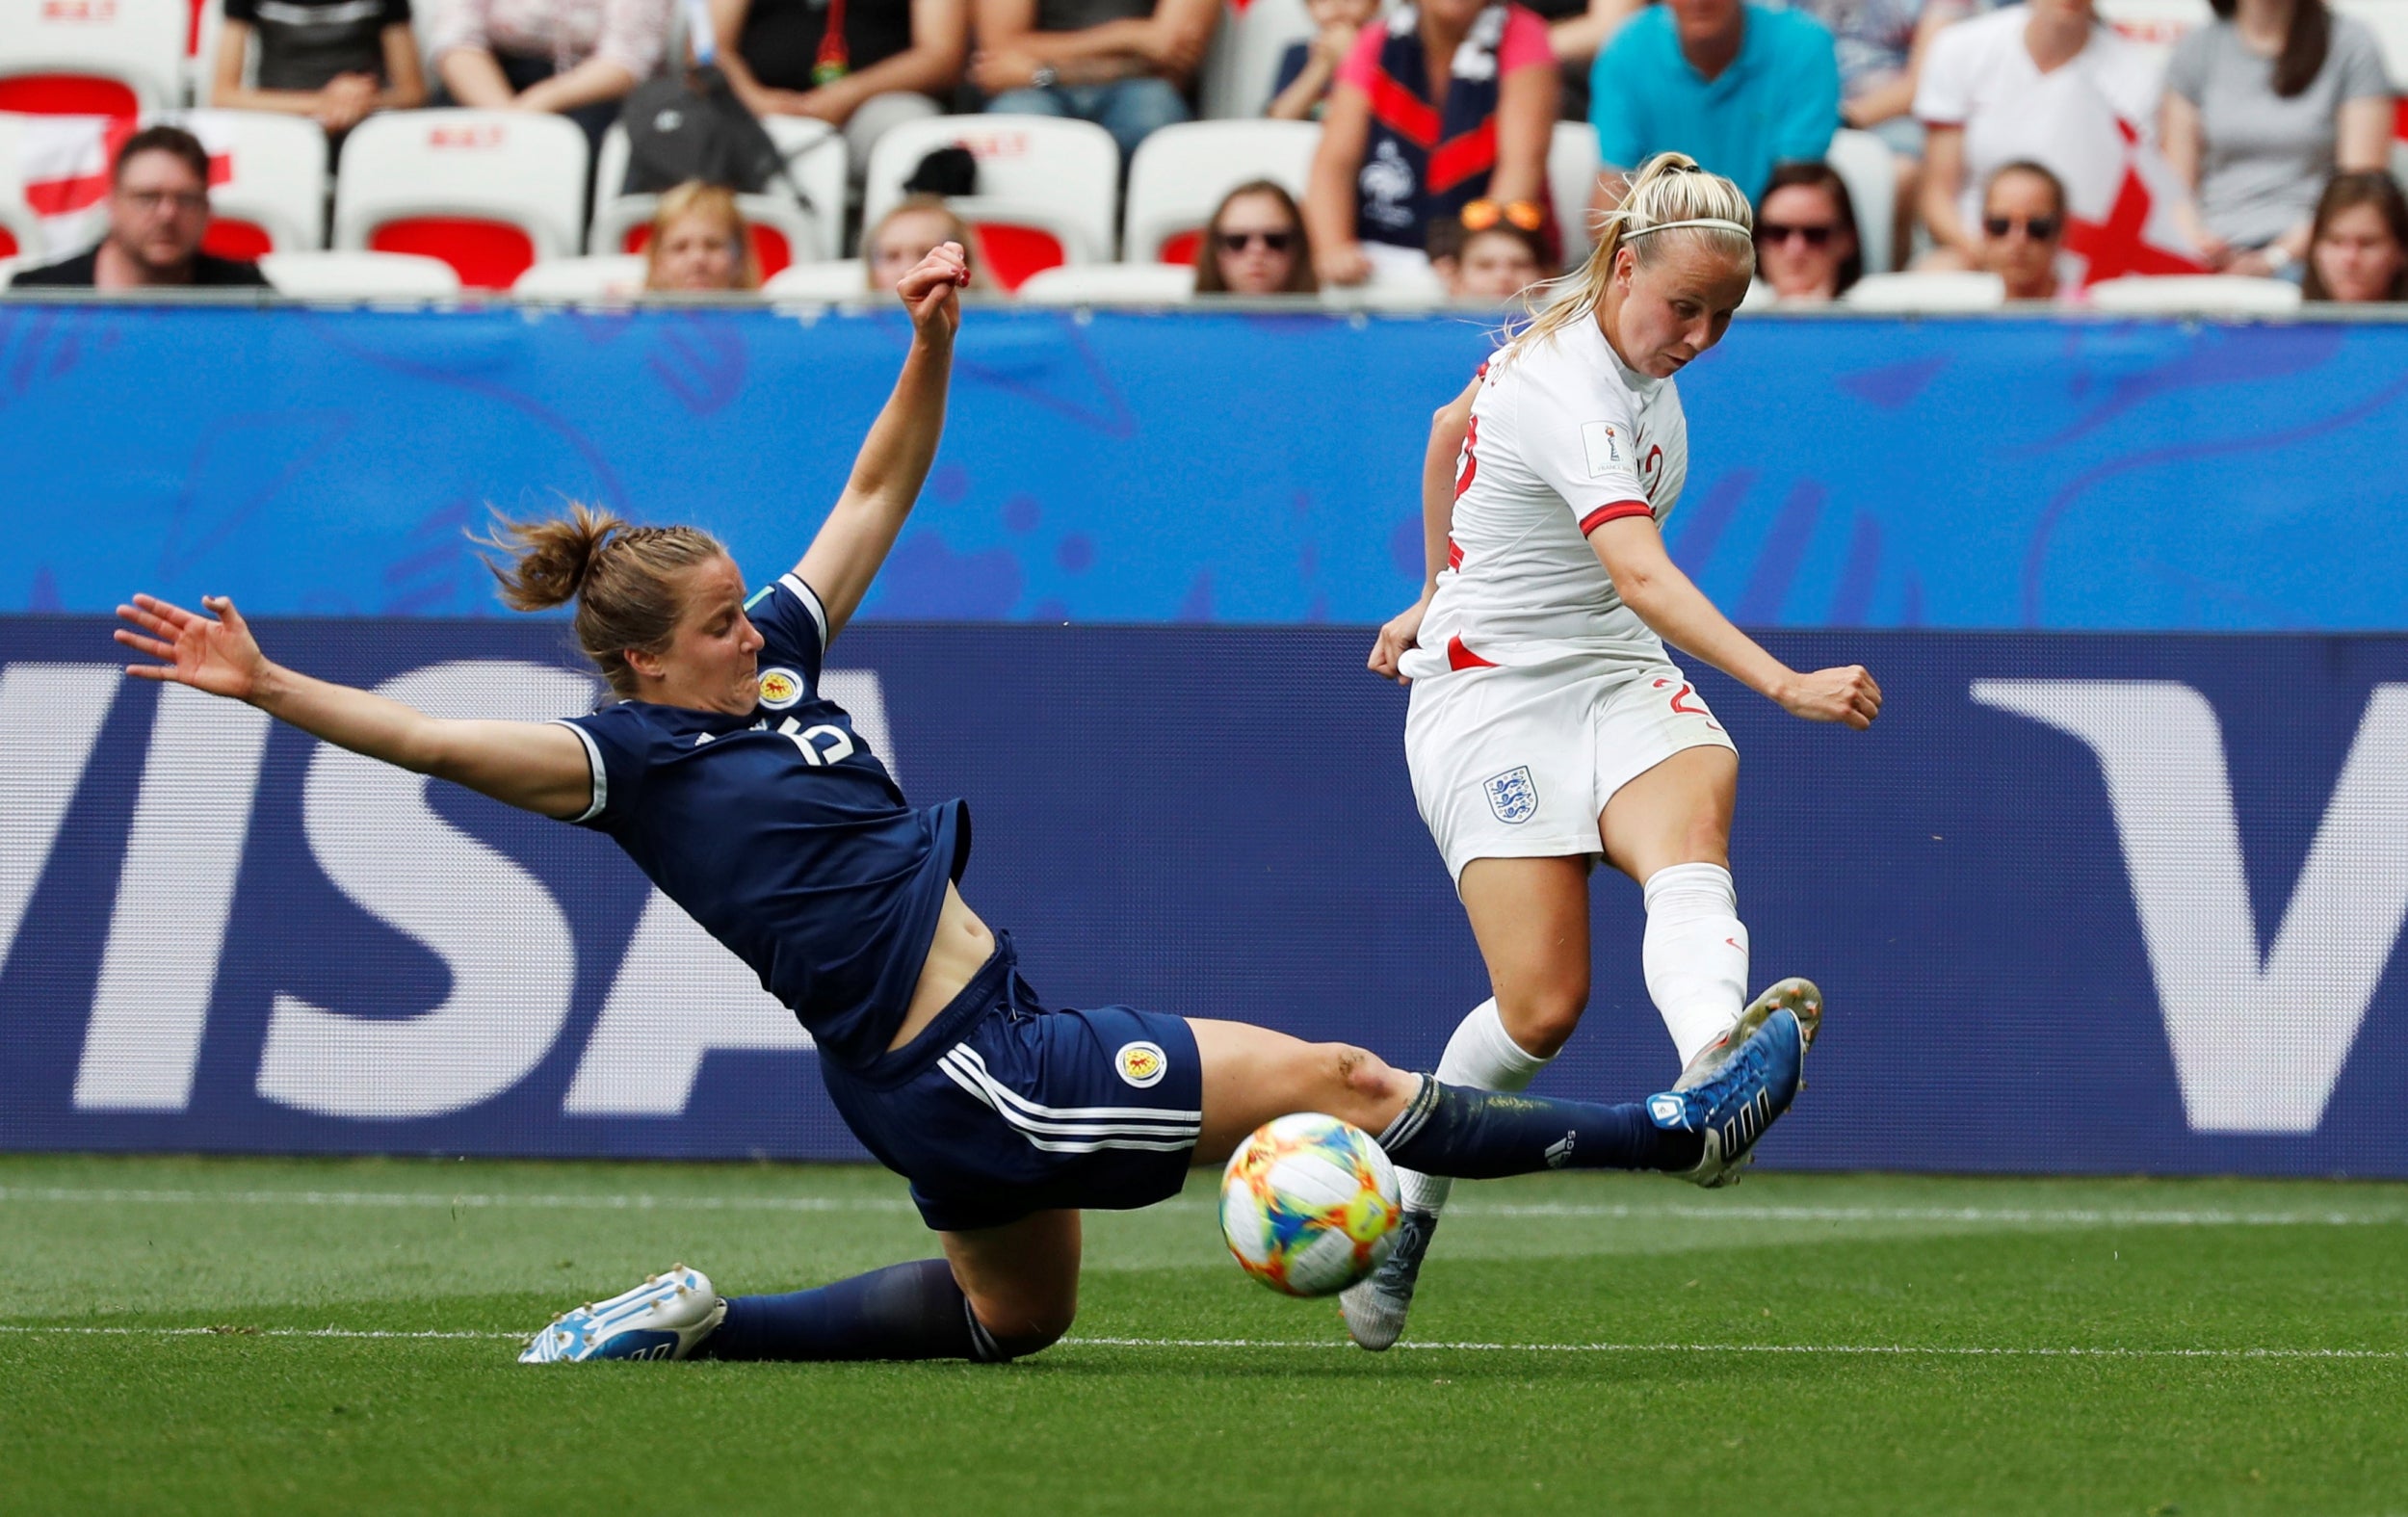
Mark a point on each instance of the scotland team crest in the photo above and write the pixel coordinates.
(1513, 795)
(781, 689)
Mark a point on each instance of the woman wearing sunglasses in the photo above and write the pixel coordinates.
(1255, 245)
(1806, 247)
(2022, 227)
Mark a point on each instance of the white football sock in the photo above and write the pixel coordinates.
(1483, 1054)
(1696, 954)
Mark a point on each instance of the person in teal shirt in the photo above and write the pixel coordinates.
(1739, 88)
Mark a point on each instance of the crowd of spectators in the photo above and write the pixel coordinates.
(2275, 121)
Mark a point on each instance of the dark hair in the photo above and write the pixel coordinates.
(619, 575)
(1300, 276)
(2305, 44)
(174, 139)
(1820, 177)
(2040, 172)
(2348, 191)
(1449, 237)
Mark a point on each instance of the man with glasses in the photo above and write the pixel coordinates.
(157, 212)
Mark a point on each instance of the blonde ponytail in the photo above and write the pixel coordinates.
(620, 576)
(1670, 199)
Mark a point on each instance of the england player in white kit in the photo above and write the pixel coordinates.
(1549, 727)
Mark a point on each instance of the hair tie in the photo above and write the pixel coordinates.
(1713, 222)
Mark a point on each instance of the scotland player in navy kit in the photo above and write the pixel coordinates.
(751, 802)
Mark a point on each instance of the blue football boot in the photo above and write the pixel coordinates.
(1733, 1108)
(664, 1318)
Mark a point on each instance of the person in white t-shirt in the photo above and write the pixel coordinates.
(1548, 727)
(2017, 85)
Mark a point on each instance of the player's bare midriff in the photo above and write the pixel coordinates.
(961, 947)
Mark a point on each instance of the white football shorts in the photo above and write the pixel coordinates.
(1519, 763)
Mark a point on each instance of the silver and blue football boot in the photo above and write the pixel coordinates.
(664, 1318)
(1375, 1309)
(1732, 1108)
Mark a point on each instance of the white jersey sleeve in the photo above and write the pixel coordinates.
(1581, 440)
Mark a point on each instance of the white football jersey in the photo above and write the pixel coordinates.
(1563, 437)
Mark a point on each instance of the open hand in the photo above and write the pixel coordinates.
(1845, 695)
(927, 290)
(213, 654)
(1402, 634)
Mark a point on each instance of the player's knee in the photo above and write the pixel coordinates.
(1543, 1019)
(1026, 1330)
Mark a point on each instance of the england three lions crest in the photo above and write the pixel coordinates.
(1513, 795)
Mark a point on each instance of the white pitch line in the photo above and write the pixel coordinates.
(2059, 1217)
(1896, 1351)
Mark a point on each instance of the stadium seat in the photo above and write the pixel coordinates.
(359, 276)
(2389, 19)
(1244, 59)
(605, 275)
(836, 280)
(1965, 291)
(785, 230)
(273, 198)
(1571, 179)
(2198, 294)
(206, 25)
(487, 192)
(1181, 173)
(1049, 189)
(2155, 24)
(1110, 284)
(92, 57)
(1868, 168)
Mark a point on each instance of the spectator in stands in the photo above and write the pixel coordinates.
(1576, 29)
(2043, 82)
(699, 241)
(2022, 227)
(1806, 243)
(1308, 68)
(574, 58)
(1255, 245)
(1124, 64)
(908, 233)
(157, 212)
(2261, 107)
(1737, 86)
(1404, 144)
(2359, 250)
(332, 61)
(859, 66)
(1483, 259)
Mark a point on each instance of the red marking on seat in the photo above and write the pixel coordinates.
(236, 238)
(1016, 253)
(487, 255)
(1181, 247)
(193, 10)
(67, 95)
(8, 244)
(1459, 657)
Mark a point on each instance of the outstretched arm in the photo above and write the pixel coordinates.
(894, 462)
(534, 766)
(1661, 595)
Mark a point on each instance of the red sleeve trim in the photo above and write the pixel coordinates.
(1614, 511)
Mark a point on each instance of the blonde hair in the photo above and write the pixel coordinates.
(1670, 197)
(695, 198)
(622, 578)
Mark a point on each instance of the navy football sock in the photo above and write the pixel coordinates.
(1479, 1135)
(905, 1311)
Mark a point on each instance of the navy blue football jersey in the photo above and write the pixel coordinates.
(782, 834)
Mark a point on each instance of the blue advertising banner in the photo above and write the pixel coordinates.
(2000, 473)
(2080, 903)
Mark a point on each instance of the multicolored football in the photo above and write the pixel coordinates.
(1308, 1204)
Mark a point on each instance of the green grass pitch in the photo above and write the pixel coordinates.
(279, 1335)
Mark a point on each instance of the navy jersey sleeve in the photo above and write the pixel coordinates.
(793, 625)
(615, 742)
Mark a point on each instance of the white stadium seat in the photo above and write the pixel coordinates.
(1110, 284)
(1049, 189)
(1572, 168)
(1965, 291)
(487, 192)
(201, 57)
(604, 277)
(785, 230)
(20, 230)
(359, 276)
(837, 279)
(274, 196)
(92, 57)
(2199, 294)
(1868, 168)
(1181, 173)
(1244, 59)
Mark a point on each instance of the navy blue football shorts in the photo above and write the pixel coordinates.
(1002, 1108)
